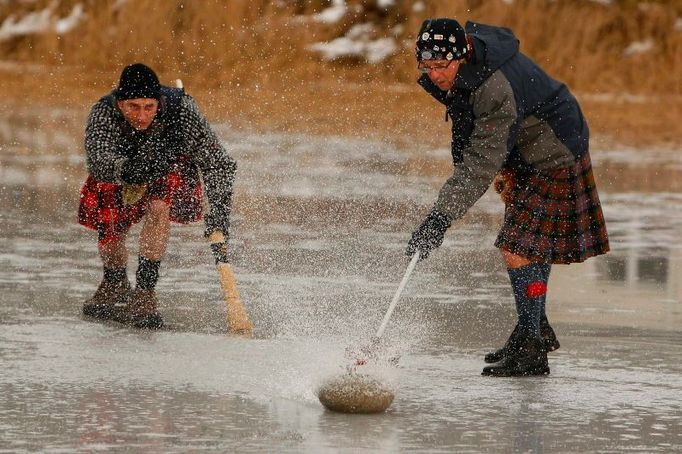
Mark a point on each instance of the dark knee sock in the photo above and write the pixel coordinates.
(115, 275)
(546, 269)
(147, 273)
(530, 287)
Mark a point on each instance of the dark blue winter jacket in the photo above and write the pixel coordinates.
(506, 112)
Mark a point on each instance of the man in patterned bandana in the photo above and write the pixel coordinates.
(146, 145)
(510, 119)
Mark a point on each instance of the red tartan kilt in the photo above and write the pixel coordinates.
(555, 216)
(101, 205)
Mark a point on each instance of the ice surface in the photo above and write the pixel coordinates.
(319, 229)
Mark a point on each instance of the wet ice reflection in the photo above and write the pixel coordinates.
(319, 230)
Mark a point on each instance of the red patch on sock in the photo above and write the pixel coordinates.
(536, 289)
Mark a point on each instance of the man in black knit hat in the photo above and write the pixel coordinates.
(510, 119)
(146, 145)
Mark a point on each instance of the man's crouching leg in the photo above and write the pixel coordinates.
(115, 287)
(142, 309)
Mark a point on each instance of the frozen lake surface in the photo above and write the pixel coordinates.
(318, 235)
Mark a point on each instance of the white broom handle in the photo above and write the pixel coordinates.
(396, 297)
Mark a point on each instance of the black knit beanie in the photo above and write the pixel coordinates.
(138, 81)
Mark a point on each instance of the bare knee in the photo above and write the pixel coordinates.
(513, 260)
(158, 212)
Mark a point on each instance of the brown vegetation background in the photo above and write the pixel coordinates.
(247, 61)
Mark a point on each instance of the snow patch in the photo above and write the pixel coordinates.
(360, 31)
(639, 47)
(35, 22)
(356, 43)
(40, 22)
(385, 3)
(332, 14)
(68, 23)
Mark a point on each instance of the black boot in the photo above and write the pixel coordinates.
(141, 310)
(526, 356)
(548, 336)
(108, 294)
(500, 353)
(546, 331)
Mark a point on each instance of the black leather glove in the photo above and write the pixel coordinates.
(220, 252)
(429, 235)
(217, 220)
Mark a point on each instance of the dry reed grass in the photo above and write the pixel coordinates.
(223, 42)
(249, 59)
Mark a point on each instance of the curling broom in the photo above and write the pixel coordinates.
(237, 319)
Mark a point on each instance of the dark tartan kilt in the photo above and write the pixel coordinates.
(101, 204)
(555, 216)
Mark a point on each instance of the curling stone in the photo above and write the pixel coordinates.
(355, 393)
